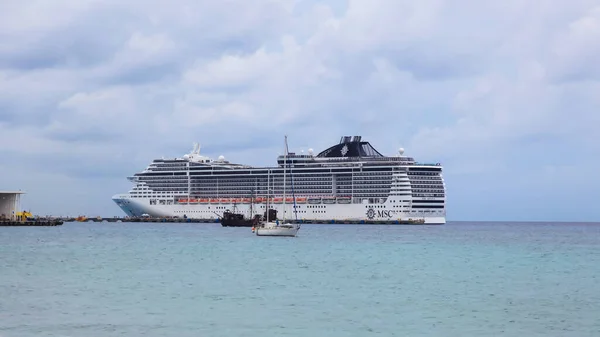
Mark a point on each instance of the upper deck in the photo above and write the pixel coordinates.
(349, 152)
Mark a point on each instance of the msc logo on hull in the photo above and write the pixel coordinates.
(381, 213)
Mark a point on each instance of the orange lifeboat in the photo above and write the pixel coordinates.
(203, 201)
(277, 200)
(301, 200)
(182, 201)
(214, 201)
(246, 200)
(224, 200)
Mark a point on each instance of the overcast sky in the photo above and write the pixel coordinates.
(505, 94)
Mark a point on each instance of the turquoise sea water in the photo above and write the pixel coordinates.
(461, 279)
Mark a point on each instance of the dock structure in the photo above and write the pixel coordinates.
(139, 219)
(213, 220)
(10, 204)
(31, 223)
(12, 216)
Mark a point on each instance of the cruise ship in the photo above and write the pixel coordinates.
(348, 182)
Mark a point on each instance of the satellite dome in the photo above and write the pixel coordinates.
(221, 158)
(401, 151)
(310, 151)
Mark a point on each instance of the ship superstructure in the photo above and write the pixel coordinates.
(349, 181)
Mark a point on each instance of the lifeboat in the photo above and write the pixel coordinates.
(224, 200)
(289, 200)
(193, 201)
(329, 200)
(236, 200)
(314, 200)
(246, 200)
(301, 200)
(182, 201)
(214, 201)
(259, 199)
(277, 200)
(343, 200)
(203, 201)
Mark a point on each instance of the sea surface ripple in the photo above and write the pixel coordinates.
(461, 279)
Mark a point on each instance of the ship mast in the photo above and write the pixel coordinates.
(267, 200)
(292, 183)
(284, 176)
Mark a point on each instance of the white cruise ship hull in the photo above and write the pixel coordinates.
(355, 213)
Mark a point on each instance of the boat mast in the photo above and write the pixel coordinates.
(251, 202)
(292, 182)
(267, 199)
(284, 170)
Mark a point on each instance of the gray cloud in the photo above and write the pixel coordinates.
(91, 92)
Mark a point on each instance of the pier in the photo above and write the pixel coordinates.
(31, 223)
(195, 220)
(140, 219)
(11, 216)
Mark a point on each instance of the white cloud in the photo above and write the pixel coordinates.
(100, 88)
(576, 49)
(231, 70)
(373, 24)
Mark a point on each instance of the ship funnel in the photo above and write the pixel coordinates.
(345, 139)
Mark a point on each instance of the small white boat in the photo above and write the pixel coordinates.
(275, 229)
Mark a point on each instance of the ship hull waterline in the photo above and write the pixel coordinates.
(355, 213)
